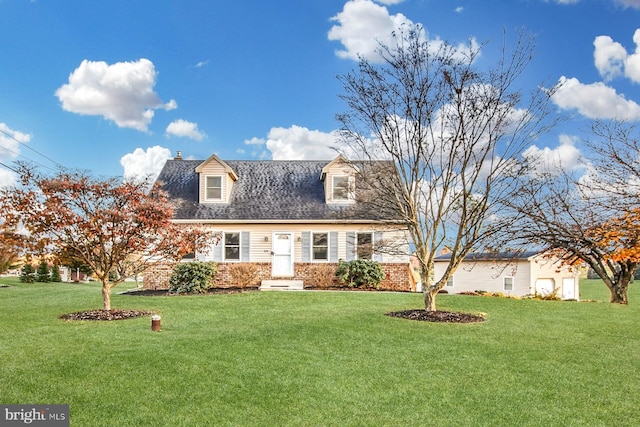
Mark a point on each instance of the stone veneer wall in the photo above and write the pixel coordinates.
(314, 275)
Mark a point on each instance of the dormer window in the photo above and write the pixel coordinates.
(213, 190)
(341, 188)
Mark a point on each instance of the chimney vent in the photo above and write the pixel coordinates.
(178, 155)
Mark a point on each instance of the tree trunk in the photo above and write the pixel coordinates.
(427, 275)
(430, 299)
(618, 292)
(106, 296)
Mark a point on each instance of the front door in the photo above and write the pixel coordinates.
(282, 254)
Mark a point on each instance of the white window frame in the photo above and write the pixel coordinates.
(312, 246)
(504, 283)
(239, 245)
(349, 196)
(206, 188)
(450, 282)
(358, 244)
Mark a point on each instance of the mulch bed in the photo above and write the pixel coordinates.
(437, 316)
(113, 314)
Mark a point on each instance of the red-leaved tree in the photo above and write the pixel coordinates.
(117, 228)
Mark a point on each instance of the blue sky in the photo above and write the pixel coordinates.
(117, 87)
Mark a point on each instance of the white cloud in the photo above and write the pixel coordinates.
(10, 141)
(595, 101)
(609, 57)
(300, 143)
(183, 128)
(362, 26)
(613, 60)
(122, 92)
(257, 148)
(635, 4)
(632, 65)
(255, 141)
(142, 164)
(459, 9)
(563, 157)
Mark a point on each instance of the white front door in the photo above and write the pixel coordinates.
(282, 254)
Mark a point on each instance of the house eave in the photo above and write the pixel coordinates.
(286, 221)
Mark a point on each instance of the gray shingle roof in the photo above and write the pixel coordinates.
(491, 256)
(265, 190)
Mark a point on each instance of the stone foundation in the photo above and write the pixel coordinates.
(313, 275)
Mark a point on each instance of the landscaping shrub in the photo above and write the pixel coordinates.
(55, 274)
(42, 275)
(360, 273)
(192, 277)
(244, 274)
(27, 274)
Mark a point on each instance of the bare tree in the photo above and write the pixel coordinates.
(614, 159)
(590, 215)
(453, 135)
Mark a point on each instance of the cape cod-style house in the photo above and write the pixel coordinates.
(282, 224)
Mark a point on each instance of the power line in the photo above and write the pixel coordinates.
(9, 167)
(25, 157)
(8, 135)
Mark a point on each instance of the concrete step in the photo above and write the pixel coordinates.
(281, 285)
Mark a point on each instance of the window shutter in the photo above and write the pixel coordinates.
(351, 246)
(306, 246)
(217, 249)
(245, 254)
(333, 246)
(377, 238)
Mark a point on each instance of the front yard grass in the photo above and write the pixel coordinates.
(321, 359)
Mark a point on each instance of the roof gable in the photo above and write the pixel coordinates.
(215, 159)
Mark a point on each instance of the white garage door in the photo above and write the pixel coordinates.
(545, 286)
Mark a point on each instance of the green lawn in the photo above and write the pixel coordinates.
(322, 359)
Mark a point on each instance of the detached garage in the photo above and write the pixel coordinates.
(512, 273)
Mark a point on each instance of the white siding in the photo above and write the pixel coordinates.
(261, 239)
(489, 275)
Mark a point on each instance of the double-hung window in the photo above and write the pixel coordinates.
(508, 283)
(341, 189)
(320, 247)
(232, 246)
(364, 249)
(213, 190)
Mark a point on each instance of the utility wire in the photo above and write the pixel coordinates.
(9, 167)
(8, 135)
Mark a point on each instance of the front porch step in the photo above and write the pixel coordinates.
(281, 285)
